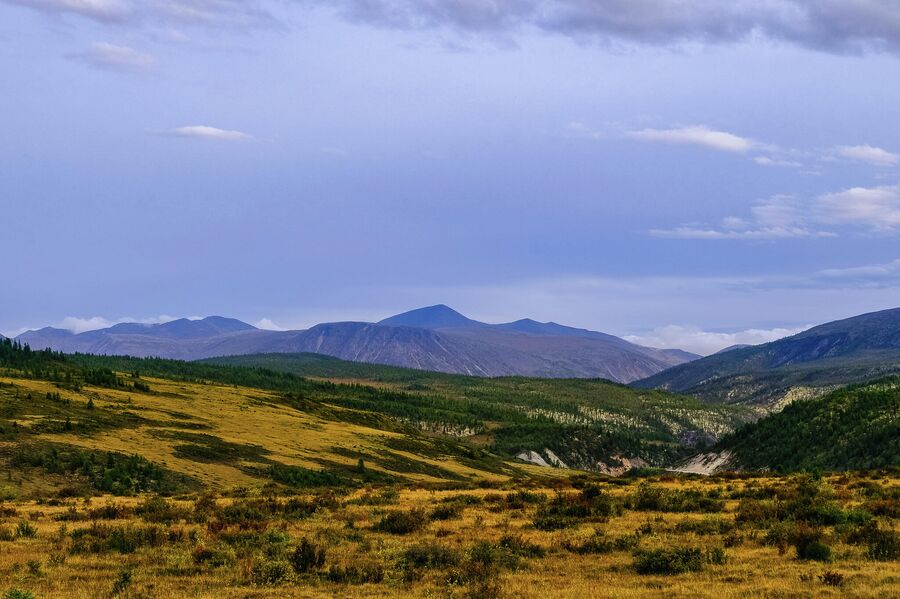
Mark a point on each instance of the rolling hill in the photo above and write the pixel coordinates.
(857, 427)
(808, 364)
(436, 338)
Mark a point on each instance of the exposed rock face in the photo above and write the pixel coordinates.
(435, 338)
(706, 463)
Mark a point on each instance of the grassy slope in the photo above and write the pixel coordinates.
(855, 427)
(528, 413)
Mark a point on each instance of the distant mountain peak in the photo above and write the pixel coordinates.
(439, 316)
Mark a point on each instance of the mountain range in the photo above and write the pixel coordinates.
(435, 338)
(805, 365)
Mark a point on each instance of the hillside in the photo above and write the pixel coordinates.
(590, 424)
(436, 338)
(808, 364)
(853, 428)
(586, 423)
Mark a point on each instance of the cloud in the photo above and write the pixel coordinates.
(869, 209)
(770, 161)
(877, 208)
(697, 135)
(105, 11)
(207, 132)
(839, 26)
(874, 275)
(235, 13)
(695, 339)
(869, 154)
(80, 325)
(267, 325)
(118, 58)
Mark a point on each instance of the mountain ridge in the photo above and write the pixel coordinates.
(850, 350)
(434, 338)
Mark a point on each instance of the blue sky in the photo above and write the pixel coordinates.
(688, 174)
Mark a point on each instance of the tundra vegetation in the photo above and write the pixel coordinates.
(143, 481)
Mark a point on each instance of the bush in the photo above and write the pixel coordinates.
(24, 530)
(17, 593)
(598, 543)
(366, 572)
(271, 572)
(100, 538)
(659, 499)
(216, 556)
(566, 509)
(446, 512)
(518, 546)
(832, 578)
(883, 545)
(307, 557)
(809, 545)
(429, 555)
(158, 509)
(402, 523)
(668, 561)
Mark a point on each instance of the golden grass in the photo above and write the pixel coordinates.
(752, 570)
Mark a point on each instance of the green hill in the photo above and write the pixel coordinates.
(852, 428)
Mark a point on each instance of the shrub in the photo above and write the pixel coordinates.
(598, 543)
(402, 523)
(158, 509)
(111, 511)
(17, 593)
(516, 545)
(668, 561)
(100, 538)
(270, 572)
(566, 509)
(808, 544)
(307, 557)
(883, 545)
(446, 512)
(25, 530)
(216, 556)
(123, 581)
(659, 499)
(365, 572)
(426, 556)
(832, 578)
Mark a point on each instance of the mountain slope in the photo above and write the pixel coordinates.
(435, 338)
(852, 428)
(807, 364)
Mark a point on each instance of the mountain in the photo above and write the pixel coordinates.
(807, 364)
(432, 317)
(853, 428)
(434, 338)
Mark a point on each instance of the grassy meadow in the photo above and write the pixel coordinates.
(653, 537)
(186, 480)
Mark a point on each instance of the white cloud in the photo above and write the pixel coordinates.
(213, 133)
(98, 10)
(80, 325)
(695, 339)
(699, 135)
(870, 209)
(877, 208)
(119, 58)
(239, 13)
(770, 161)
(869, 154)
(267, 325)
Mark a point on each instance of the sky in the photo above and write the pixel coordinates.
(685, 174)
